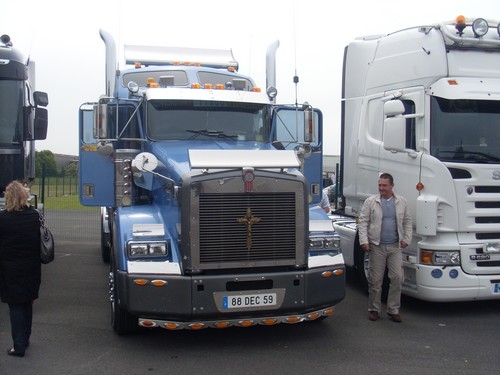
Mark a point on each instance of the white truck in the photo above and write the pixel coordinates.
(424, 105)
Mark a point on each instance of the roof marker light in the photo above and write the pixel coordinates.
(480, 27)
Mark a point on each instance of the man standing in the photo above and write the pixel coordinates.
(385, 227)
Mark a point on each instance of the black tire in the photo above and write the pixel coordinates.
(122, 321)
(105, 247)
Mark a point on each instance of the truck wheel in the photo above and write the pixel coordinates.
(105, 247)
(121, 320)
(105, 237)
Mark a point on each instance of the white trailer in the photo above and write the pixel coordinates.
(424, 105)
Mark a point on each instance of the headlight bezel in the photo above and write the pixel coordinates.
(324, 243)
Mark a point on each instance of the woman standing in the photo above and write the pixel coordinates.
(20, 266)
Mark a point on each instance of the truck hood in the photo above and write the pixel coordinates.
(175, 155)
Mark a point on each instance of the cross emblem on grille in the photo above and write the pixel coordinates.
(249, 220)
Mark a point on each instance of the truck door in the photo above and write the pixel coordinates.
(405, 166)
(96, 169)
(288, 133)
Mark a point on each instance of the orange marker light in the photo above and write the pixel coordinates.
(221, 324)
(419, 186)
(425, 257)
(171, 326)
(159, 282)
(269, 321)
(460, 24)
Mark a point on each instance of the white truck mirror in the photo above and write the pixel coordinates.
(394, 136)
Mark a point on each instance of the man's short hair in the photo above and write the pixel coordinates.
(387, 176)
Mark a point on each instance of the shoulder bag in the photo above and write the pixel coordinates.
(46, 242)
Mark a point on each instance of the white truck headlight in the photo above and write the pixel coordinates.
(147, 249)
(440, 258)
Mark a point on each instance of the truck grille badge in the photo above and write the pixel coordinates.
(248, 177)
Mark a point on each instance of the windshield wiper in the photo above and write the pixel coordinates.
(470, 156)
(210, 133)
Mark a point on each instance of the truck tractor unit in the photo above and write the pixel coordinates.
(208, 193)
(423, 104)
(23, 118)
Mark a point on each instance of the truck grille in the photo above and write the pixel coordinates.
(247, 227)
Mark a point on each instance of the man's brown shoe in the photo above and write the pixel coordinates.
(395, 317)
(373, 315)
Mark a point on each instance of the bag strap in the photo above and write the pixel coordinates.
(42, 218)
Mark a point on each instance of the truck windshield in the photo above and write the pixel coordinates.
(465, 131)
(201, 119)
(11, 114)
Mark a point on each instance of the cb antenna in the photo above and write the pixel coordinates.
(295, 77)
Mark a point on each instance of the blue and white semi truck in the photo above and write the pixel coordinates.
(23, 116)
(209, 194)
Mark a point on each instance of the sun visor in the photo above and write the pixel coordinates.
(205, 159)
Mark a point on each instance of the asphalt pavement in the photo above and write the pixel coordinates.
(72, 335)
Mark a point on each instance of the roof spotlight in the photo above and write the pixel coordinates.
(480, 27)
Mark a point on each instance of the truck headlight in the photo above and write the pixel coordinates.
(440, 258)
(324, 243)
(147, 249)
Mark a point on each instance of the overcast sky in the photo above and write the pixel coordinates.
(62, 37)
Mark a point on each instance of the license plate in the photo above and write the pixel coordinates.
(480, 257)
(495, 288)
(249, 300)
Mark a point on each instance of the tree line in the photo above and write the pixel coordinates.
(45, 164)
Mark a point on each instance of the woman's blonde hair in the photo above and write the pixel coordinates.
(16, 196)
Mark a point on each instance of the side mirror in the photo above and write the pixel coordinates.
(145, 162)
(40, 124)
(394, 136)
(100, 121)
(41, 99)
(309, 135)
